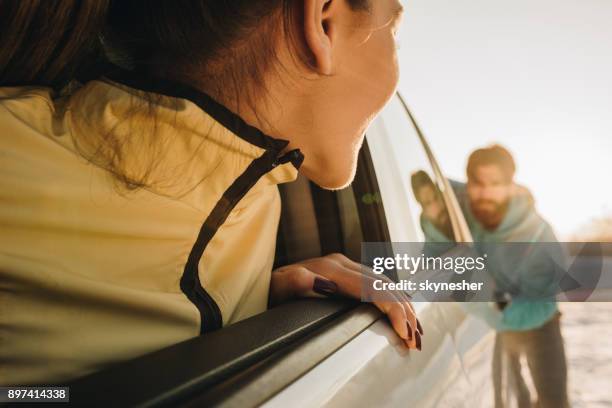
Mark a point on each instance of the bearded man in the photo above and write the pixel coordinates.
(497, 210)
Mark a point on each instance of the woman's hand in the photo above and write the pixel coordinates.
(335, 274)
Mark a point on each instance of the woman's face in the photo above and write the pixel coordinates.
(359, 74)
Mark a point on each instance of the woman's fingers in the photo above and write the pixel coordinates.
(298, 281)
(398, 299)
(400, 321)
(355, 286)
(359, 268)
(405, 299)
(349, 282)
(414, 324)
(397, 316)
(336, 274)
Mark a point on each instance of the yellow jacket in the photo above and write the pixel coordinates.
(91, 274)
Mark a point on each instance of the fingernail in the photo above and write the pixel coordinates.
(420, 328)
(324, 287)
(409, 330)
(418, 341)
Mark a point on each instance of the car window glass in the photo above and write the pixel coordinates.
(414, 181)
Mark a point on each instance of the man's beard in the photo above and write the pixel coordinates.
(489, 213)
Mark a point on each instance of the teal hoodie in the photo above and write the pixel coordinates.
(522, 223)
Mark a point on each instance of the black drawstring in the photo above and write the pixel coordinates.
(294, 156)
(210, 314)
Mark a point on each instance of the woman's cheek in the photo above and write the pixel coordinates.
(386, 70)
(392, 66)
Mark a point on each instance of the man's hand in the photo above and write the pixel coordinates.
(335, 274)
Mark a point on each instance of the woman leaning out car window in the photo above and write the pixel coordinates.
(142, 143)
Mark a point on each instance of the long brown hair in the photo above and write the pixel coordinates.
(48, 42)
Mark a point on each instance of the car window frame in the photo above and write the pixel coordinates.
(460, 228)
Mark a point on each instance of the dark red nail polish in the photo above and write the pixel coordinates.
(324, 287)
(409, 330)
(418, 341)
(420, 328)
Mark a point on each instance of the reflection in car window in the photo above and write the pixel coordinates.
(423, 195)
(434, 218)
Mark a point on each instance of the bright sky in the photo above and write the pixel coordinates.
(533, 75)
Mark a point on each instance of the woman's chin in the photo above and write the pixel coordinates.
(333, 179)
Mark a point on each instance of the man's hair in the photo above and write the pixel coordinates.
(421, 179)
(495, 154)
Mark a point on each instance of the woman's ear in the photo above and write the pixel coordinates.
(319, 32)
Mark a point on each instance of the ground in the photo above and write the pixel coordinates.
(587, 330)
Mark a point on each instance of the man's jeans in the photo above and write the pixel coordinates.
(545, 354)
